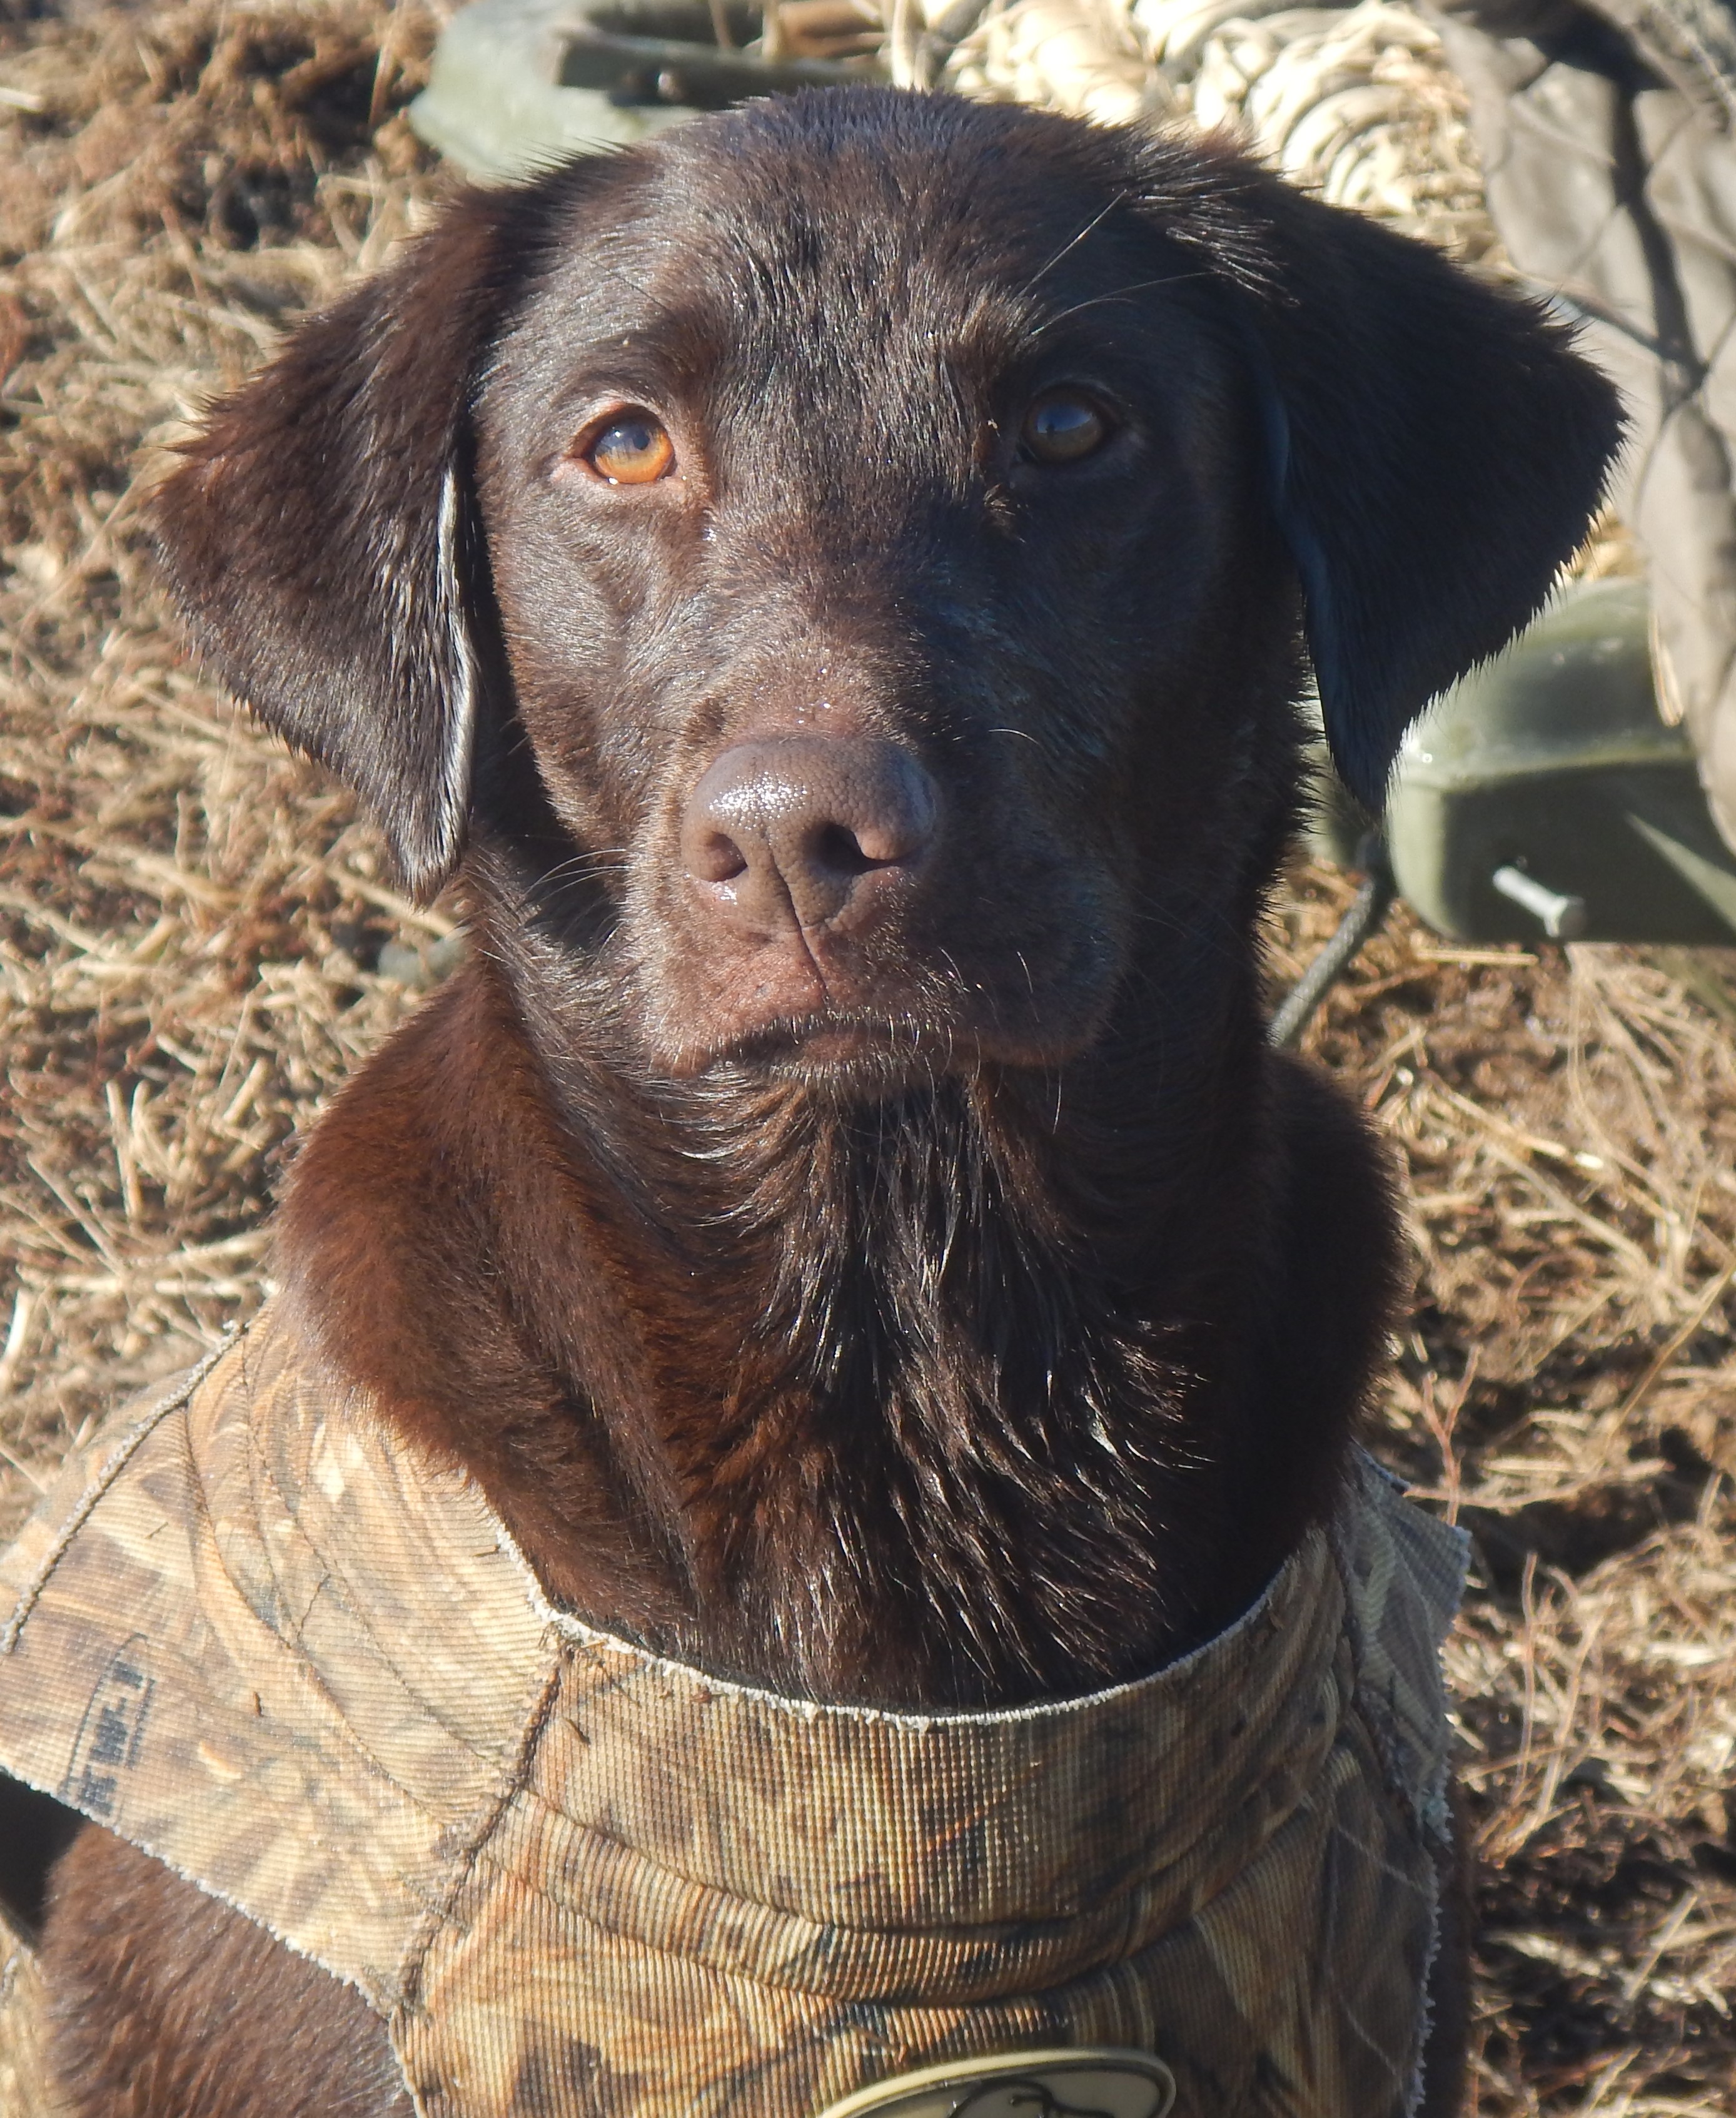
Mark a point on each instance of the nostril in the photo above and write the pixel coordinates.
(841, 851)
(716, 858)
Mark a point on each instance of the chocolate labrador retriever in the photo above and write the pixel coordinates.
(833, 587)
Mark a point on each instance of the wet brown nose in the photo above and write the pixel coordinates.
(797, 829)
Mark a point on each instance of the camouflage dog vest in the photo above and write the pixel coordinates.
(254, 1632)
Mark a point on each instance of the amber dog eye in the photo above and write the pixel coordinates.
(633, 448)
(1062, 426)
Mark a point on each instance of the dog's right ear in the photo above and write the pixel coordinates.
(1436, 449)
(320, 532)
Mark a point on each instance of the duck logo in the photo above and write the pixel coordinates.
(1022, 2099)
(1078, 2083)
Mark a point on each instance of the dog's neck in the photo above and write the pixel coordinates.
(967, 1395)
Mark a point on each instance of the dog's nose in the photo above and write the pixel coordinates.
(803, 826)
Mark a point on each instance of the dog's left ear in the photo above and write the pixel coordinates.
(1437, 452)
(319, 535)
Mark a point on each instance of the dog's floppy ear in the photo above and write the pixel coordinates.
(319, 535)
(1437, 451)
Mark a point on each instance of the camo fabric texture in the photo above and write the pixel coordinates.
(253, 1632)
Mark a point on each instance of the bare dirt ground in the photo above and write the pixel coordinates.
(198, 939)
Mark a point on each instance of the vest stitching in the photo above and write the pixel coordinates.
(116, 1461)
(1041, 1996)
(512, 1782)
(971, 1935)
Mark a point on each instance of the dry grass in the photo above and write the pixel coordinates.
(190, 922)
(1568, 1390)
(190, 935)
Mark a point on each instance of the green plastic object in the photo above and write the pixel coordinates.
(1543, 797)
(518, 85)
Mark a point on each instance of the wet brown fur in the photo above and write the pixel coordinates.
(1004, 1345)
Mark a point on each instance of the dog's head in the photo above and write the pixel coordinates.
(839, 565)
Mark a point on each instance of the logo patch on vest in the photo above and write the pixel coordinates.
(106, 1745)
(1079, 2083)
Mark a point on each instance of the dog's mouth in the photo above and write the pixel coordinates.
(919, 1010)
(859, 1052)
(855, 1047)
